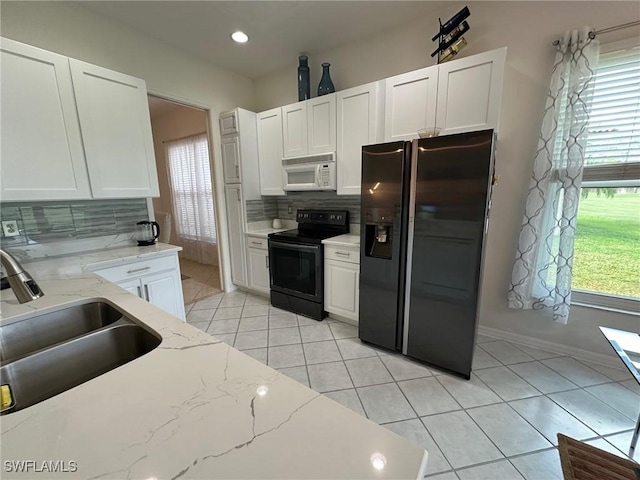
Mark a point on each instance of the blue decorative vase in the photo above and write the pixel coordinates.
(326, 85)
(304, 83)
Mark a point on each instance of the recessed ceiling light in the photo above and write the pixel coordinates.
(240, 37)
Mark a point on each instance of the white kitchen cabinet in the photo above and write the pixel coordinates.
(321, 124)
(342, 281)
(470, 92)
(239, 142)
(410, 103)
(309, 127)
(155, 279)
(270, 151)
(235, 226)
(231, 159)
(116, 132)
(358, 124)
(229, 123)
(41, 145)
(258, 263)
(294, 129)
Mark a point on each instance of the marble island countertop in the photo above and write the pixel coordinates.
(192, 408)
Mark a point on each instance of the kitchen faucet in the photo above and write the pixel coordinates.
(24, 287)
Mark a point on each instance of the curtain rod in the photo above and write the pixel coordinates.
(186, 136)
(593, 33)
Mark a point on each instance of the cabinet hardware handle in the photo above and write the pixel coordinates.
(237, 171)
(135, 270)
(256, 243)
(267, 261)
(343, 254)
(146, 293)
(238, 194)
(139, 291)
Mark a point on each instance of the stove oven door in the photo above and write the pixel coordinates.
(296, 269)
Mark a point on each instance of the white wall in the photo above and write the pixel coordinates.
(527, 29)
(74, 31)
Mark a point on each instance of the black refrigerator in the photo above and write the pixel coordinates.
(425, 210)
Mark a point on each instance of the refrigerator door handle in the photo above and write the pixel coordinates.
(410, 229)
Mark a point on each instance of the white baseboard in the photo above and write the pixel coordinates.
(607, 360)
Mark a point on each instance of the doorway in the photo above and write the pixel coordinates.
(185, 209)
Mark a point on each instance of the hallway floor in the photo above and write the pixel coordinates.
(500, 424)
(202, 282)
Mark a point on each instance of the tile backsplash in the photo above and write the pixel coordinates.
(319, 200)
(264, 209)
(41, 222)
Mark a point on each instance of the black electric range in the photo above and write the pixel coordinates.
(296, 261)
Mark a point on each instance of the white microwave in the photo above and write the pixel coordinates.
(311, 172)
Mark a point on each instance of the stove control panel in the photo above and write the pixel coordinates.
(323, 217)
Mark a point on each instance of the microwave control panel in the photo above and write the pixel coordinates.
(325, 176)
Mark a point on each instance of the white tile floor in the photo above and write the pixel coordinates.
(500, 424)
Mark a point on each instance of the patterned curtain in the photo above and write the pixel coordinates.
(541, 278)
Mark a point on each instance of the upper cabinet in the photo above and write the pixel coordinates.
(116, 132)
(229, 123)
(321, 124)
(231, 159)
(41, 145)
(410, 103)
(470, 92)
(269, 125)
(72, 130)
(294, 130)
(359, 123)
(239, 142)
(309, 127)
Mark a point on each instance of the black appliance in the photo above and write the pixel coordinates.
(296, 261)
(425, 210)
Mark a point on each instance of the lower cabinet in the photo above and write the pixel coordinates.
(156, 280)
(342, 282)
(258, 264)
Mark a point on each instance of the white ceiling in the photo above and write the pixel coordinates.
(279, 31)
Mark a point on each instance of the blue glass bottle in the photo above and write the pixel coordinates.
(326, 85)
(304, 83)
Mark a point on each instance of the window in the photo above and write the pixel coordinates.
(607, 241)
(191, 188)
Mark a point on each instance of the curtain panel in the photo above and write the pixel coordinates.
(541, 277)
(192, 198)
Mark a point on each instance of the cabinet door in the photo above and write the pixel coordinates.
(270, 151)
(231, 159)
(258, 267)
(41, 146)
(470, 92)
(164, 290)
(357, 123)
(294, 129)
(410, 103)
(116, 132)
(321, 124)
(133, 286)
(235, 224)
(342, 289)
(228, 123)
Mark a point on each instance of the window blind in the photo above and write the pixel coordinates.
(613, 144)
(191, 187)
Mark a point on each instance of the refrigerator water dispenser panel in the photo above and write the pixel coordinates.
(378, 232)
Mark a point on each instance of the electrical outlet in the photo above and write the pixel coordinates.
(10, 228)
(290, 209)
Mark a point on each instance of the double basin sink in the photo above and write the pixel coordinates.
(45, 355)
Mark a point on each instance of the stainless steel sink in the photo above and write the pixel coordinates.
(43, 331)
(38, 371)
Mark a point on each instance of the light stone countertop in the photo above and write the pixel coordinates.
(189, 408)
(264, 232)
(348, 240)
